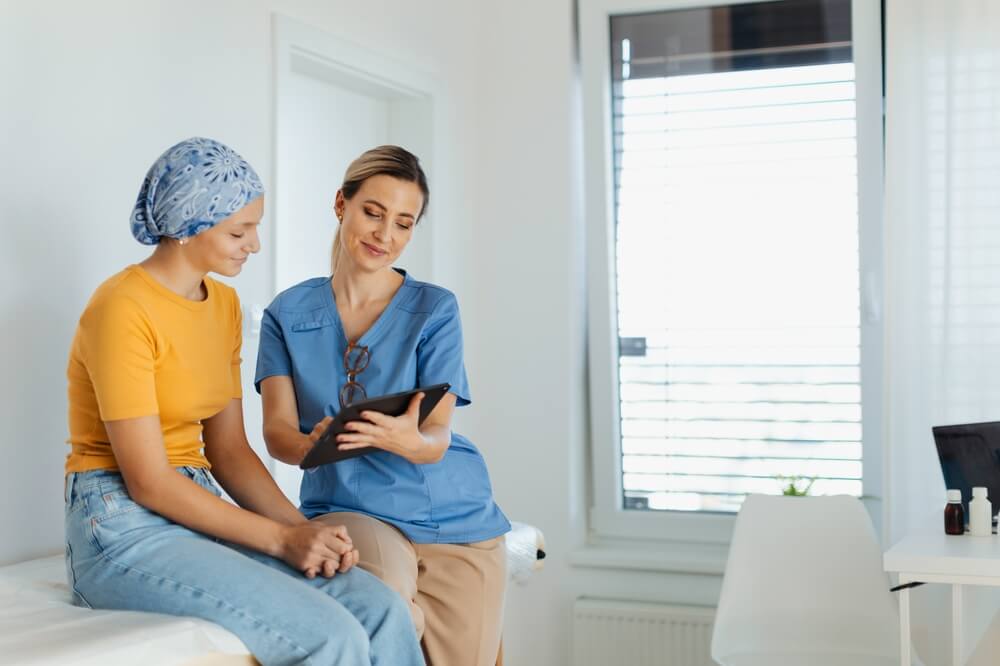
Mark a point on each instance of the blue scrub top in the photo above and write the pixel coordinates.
(417, 341)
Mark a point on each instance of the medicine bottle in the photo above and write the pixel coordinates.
(980, 513)
(954, 513)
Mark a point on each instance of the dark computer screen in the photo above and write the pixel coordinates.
(970, 456)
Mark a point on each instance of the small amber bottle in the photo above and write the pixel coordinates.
(954, 513)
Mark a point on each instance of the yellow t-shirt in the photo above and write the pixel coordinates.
(140, 349)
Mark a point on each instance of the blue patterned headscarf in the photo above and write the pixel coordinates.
(192, 187)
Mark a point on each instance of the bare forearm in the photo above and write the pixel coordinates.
(241, 473)
(286, 443)
(183, 501)
(436, 439)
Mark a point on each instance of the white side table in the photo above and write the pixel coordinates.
(935, 557)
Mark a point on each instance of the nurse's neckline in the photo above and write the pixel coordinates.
(400, 276)
(371, 334)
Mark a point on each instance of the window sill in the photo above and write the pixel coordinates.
(683, 558)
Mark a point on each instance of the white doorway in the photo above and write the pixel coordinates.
(334, 100)
(317, 151)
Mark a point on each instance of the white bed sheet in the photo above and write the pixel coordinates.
(39, 625)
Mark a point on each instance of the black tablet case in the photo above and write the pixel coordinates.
(326, 451)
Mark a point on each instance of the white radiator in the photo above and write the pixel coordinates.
(625, 633)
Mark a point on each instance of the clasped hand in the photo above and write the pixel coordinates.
(318, 549)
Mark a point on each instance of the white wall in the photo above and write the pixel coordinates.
(524, 317)
(319, 112)
(942, 136)
(523, 337)
(91, 93)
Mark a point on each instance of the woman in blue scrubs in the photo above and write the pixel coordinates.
(420, 509)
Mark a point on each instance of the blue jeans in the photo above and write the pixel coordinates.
(120, 555)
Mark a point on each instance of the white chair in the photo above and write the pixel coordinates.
(804, 586)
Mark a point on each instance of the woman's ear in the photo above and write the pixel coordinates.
(338, 205)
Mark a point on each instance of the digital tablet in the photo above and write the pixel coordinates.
(395, 404)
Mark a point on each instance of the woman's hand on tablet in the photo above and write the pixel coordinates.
(420, 443)
(319, 429)
(396, 434)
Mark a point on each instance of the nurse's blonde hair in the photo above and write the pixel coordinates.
(382, 161)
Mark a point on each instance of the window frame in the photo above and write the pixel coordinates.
(607, 519)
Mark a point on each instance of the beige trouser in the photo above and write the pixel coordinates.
(455, 591)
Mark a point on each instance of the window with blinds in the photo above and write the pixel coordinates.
(737, 258)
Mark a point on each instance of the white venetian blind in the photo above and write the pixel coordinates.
(737, 283)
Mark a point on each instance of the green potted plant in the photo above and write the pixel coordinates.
(796, 486)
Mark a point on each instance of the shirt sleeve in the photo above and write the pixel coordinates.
(237, 359)
(272, 354)
(119, 347)
(440, 356)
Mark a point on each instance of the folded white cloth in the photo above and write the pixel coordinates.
(525, 551)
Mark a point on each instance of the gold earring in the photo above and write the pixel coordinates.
(184, 241)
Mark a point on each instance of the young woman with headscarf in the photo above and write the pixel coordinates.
(155, 402)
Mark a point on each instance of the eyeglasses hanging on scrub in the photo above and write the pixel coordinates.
(356, 359)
